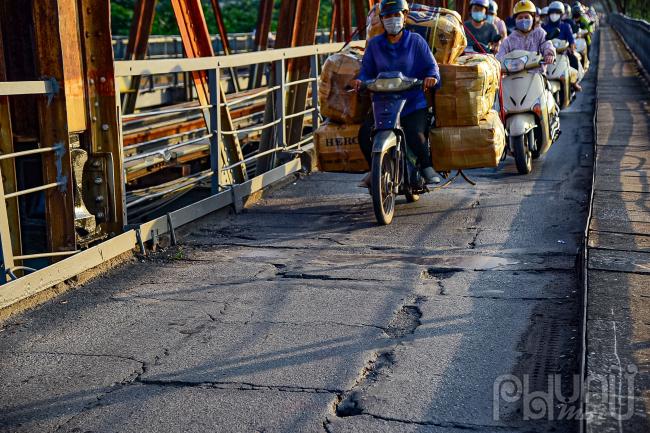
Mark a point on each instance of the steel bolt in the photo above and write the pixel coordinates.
(100, 215)
(98, 180)
(99, 199)
(102, 79)
(105, 127)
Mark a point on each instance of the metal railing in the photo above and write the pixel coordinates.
(636, 34)
(223, 193)
(213, 139)
(172, 46)
(9, 266)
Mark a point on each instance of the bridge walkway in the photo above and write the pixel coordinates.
(618, 313)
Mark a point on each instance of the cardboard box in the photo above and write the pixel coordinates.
(465, 147)
(338, 148)
(336, 103)
(468, 90)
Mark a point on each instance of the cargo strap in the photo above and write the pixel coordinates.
(432, 39)
(451, 180)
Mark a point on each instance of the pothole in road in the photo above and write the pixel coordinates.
(439, 273)
(351, 403)
(404, 322)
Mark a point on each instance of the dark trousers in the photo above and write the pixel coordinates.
(573, 60)
(416, 130)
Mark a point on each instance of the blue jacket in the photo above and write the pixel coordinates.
(410, 55)
(565, 31)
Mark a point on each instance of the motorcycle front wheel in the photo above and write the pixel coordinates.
(523, 156)
(382, 187)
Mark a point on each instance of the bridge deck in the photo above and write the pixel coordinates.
(269, 320)
(619, 242)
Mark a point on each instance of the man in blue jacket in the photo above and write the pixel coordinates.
(398, 49)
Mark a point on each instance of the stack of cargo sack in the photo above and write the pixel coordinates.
(337, 139)
(469, 133)
(441, 28)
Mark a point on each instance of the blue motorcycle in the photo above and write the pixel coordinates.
(394, 169)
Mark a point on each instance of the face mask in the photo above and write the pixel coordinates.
(490, 19)
(524, 25)
(554, 17)
(393, 25)
(478, 16)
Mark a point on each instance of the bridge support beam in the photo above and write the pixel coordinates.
(136, 48)
(197, 43)
(57, 43)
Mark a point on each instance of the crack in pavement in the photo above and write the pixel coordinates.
(403, 323)
(238, 386)
(281, 322)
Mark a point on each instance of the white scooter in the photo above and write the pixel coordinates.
(532, 115)
(582, 48)
(561, 75)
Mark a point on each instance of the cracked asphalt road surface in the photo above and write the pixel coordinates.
(302, 315)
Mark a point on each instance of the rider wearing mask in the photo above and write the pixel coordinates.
(543, 16)
(567, 18)
(492, 18)
(581, 21)
(556, 28)
(398, 49)
(527, 36)
(484, 32)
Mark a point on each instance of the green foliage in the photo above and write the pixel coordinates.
(637, 9)
(239, 16)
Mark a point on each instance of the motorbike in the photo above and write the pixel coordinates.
(582, 48)
(559, 75)
(394, 169)
(532, 115)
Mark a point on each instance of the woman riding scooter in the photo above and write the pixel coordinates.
(399, 50)
(561, 30)
(526, 36)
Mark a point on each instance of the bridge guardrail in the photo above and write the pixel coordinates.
(226, 190)
(636, 34)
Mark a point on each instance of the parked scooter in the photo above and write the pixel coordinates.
(559, 75)
(394, 168)
(532, 115)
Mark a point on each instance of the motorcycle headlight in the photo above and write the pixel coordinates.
(389, 85)
(515, 65)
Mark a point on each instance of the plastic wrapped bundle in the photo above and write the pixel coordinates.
(336, 102)
(374, 26)
(441, 28)
(338, 148)
(467, 91)
(459, 148)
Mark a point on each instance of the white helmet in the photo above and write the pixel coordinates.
(556, 7)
